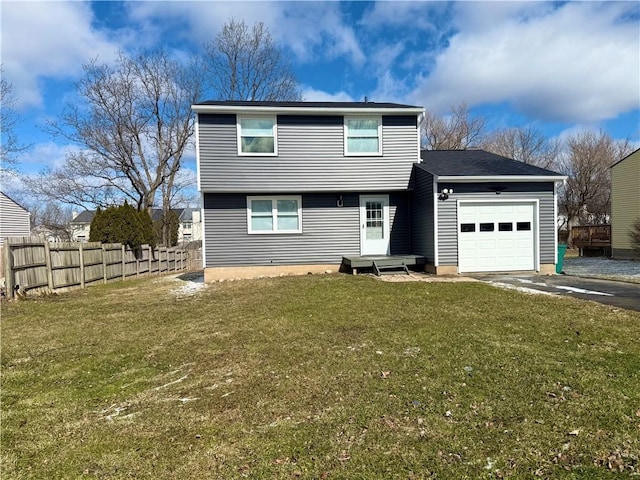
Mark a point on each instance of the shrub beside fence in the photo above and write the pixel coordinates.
(33, 264)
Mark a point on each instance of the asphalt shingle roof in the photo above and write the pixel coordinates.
(476, 163)
(337, 105)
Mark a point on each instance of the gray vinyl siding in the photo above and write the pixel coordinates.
(400, 219)
(328, 231)
(14, 220)
(422, 239)
(310, 157)
(448, 222)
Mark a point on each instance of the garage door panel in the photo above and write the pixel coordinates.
(505, 241)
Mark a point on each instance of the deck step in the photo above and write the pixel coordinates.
(391, 269)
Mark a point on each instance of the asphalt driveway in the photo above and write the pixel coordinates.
(610, 292)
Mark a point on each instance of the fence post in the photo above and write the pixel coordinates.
(47, 258)
(124, 264)
(81, 252)
(9, 277)
(104, 263)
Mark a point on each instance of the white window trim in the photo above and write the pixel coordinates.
(239, 136)
(274, 213)
(347, 153)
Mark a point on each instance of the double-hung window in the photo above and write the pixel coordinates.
(363, 136)
(257, 136)
(274, 214)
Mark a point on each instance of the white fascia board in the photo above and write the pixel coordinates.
(500, 178)
(305, 110)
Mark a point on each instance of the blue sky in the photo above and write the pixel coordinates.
(563, 66)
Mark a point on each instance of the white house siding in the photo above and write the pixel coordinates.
(448, 221)
(328, 231)
(625, 203)
(310, 157)
(15, 221)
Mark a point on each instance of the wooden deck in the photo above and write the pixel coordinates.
(591, 237)
(386, 262)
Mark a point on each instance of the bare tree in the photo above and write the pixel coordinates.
(458, 131)
(244, 63)
(525, 144)
(10, 146)
(585, 198)
(52, 219)
(131, 129)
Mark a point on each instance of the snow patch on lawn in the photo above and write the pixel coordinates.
(188, 288)
(532, 291)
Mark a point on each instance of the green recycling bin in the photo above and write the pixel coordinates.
(562, 248)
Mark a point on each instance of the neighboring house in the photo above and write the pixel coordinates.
(15, 221)
(189, 228)
(303, 186)
(81, 225)
(625, 204)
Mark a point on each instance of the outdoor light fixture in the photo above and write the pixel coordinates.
(340, 201)
(444, 194)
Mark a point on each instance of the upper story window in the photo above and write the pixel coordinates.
(186, 225)
(363, 136)
(257, 136)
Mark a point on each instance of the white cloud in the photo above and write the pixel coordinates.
(47, 154)
(578, 63)
(48, 39)
(312, 95)
(310, 30)
(410, 15)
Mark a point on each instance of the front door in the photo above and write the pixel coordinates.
(374, 224)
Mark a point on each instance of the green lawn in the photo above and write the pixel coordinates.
(324, 376)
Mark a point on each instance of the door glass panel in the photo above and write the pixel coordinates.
(505, 227)
(375, 222)
(486, 227)
(467, 227)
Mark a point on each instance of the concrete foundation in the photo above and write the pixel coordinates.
(227, 273)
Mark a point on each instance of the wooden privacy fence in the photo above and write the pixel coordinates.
(33, 264)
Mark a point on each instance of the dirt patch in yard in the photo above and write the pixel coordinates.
(424, 277)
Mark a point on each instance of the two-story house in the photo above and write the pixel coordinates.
(625, 205)
(15, 221)
(297, 187)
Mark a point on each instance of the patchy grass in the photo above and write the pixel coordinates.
(318, 377)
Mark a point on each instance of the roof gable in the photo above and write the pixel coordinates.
(633, 155)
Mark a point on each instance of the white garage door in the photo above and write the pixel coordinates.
(496, 237)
